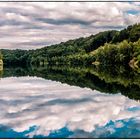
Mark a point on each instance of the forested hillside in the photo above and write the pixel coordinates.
(107, 48)
(1, 62)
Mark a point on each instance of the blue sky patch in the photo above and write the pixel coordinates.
(133, 12)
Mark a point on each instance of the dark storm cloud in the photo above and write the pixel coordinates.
(68, 21)
(111, 27)
(33, 43)
(14, 23)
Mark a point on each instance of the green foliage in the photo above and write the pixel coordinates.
(15, 57)
(99, 40)
(1, 57)
(117, 54)
(131, 33)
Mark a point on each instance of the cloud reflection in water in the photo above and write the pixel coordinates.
(52, 106)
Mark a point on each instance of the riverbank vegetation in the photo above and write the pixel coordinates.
(124, 53)
(1, 63)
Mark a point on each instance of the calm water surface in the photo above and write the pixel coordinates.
(35, 107)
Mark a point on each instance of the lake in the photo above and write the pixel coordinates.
(66, 102)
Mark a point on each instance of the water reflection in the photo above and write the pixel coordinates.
(104, 79)
(38, 108)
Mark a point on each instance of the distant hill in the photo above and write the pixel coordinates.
(81, 51)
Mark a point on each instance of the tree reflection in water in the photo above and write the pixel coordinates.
(110, 80)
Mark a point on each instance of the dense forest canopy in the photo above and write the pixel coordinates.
(107, 48)
(0, 55)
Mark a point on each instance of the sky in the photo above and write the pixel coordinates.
(50, 106)
(31, 25)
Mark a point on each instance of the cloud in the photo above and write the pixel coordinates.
(50, 21)
(51, 106)
(69, 21)
(126, 128)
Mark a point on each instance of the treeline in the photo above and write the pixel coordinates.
(81, 51)
(15, 57)
(78, 51)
